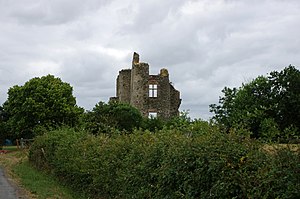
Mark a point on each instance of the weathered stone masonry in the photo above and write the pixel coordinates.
(151, 94)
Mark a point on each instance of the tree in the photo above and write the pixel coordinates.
(105, 117)
(3, 132)
(41, 102)
(271, 102)
(224, 111)
(286, 96)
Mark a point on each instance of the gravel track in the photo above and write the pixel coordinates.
(7, 189)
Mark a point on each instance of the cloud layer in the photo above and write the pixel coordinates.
(205, 44)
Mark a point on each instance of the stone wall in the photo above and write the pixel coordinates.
(124, 85)
(175, 101)
(161, 103)
(139, 86)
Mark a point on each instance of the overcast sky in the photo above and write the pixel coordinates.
(205, 44)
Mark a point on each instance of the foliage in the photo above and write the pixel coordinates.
(286, 92)
(269, 130)
(3, 126)
(153, 124)
(45, 101)
(265, 106)
(225, 111)
(181, 121)
(105, 117)
(283, 178)
(168, 164)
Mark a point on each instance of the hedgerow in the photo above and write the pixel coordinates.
(168, 164)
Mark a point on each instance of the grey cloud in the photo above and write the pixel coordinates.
(52, 12)
(92, 75)
(85, 67)
(149, 13)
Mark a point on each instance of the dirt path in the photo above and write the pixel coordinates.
(7, 190)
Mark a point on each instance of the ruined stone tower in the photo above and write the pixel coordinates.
(153, 95)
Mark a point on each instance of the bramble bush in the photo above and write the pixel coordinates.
(197, 163)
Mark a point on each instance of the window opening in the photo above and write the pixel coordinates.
(152, 90)
(152, 115)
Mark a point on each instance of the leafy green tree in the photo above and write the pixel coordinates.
(266, 102)
(3, 131)
(41, 102)
(105, 117)
(224, 111)
(286, 96)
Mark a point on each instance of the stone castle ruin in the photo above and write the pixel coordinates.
(153, 95)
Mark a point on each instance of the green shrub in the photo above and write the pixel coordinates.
(282, 179)
(168, 164)
(43, 151)
(153, 124)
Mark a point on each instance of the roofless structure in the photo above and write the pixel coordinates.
(153, 95)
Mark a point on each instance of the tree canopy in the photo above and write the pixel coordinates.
(120, 116)
(3, 132)
(46, 101)
(266, 105)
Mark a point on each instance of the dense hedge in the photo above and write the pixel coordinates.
(168, 164)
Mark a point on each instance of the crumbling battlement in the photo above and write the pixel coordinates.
(151, 94)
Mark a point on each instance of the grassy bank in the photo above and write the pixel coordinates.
(33, 183)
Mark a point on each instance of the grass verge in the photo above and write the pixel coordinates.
(36, 184)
